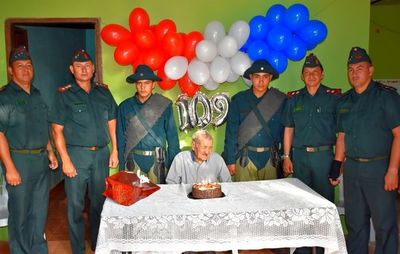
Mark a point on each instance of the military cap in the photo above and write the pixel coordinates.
(261, 66)
(312, 61)
(142, 72)
(358, 55)
(81, 56)
(19, 53)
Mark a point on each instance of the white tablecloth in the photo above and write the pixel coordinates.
(252, 215)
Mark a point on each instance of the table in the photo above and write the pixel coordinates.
(252, 215)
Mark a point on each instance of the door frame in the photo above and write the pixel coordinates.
(10, 22)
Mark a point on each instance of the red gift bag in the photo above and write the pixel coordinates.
(124, 188)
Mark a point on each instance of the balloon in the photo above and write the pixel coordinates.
(164, 27)
(191, 40)
(232, 77)
(206, 51)
(166, 83)
(247, 82)
(145, 39)
(176, 67)
(279, 38)
(187, 86)
(258, 28)
(240, 30)
(275, 15)
(198, 72)
(139, 59)
(314, 32)
(246, 45)
(182, 106)
(240, 62)
(278, 60)
(258, 50)
(220, 106)
(138, 20)
(172, 44)
(296, 50)
(220, 69)
(211, 84)
(296, 16)
(203, 120)
(227, 47)
(114, 34)
(214, 31)
(154, 58)
(126, 53)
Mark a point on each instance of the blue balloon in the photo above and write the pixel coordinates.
(314, 32)
(246, 45)
(278, 60)
(279, 38)
(275, 15)
(258, 50)
(296, 16)
(296, 50)
(258, 27)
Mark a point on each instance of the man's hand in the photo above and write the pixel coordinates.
(69, 169)
(287, 167)
(232, 169)
(52, 159)
(391, 181)
(113, 161)
(334, 182)
(12, 177)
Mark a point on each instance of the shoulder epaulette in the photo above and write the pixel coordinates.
(2, 88)
(293, 93)
(102, 85)
(391, 88)
(64, 88)
(334, 91)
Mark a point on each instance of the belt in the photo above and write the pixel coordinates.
(359, 159)
(258, 149)
(29, 151)
(89, 148)
(313, 149)
(143, 152)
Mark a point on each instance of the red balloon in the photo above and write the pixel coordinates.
(172, 44)
(166, 82)
(126, 53)
(145, 39)
(154, 58)
(164, 27)
(191, 40)
(139, 60)
(187, 86)
(139, 20)
(114, 34)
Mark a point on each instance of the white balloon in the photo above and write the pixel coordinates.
(240, 30)
(240, 62)
(211, 84)
(206, 51)
(198, 72)
(247, 82)
(232, 77)
(219, 69)
(176, 67)
(227, 47)
(214, 31)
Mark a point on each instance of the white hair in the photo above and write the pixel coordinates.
(201, 134)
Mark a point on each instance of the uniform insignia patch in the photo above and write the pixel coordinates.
(298, 108)
(64, 88)
(102, 85)
(391, 88)
(293, 93)
(343, 110)
(335, 91)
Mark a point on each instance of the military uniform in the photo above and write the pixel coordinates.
(367, 120)
(23, 121)
(154, 127)
(252, 158)
(85, 118)
(313, 118)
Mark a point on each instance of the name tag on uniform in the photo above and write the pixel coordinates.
(298, 108)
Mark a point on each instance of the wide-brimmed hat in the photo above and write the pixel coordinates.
(142, 72)
(358, 55)
(261, 66)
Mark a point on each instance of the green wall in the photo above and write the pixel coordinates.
(385, 40)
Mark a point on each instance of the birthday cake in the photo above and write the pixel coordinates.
(206, 190)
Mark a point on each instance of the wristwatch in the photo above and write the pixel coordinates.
(285, 156)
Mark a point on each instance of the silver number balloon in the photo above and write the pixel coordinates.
(205, 119)
(220, 107)
(183, 113)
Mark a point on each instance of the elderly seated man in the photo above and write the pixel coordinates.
(199, 164)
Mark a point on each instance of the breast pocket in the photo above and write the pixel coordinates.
(80, 113)
(300, 118)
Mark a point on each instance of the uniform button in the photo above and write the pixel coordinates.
(80, 110)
